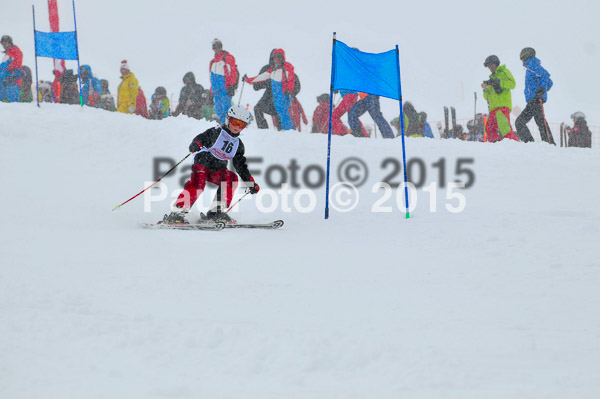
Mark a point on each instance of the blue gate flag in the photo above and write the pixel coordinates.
(59, 45)
(366, 72)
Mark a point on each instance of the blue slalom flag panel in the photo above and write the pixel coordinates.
(59, 45)
(370, 73)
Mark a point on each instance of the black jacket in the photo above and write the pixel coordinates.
(207, 139)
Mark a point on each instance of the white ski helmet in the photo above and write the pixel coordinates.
(578, 115)
(239, 113)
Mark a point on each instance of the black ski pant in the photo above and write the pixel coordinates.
(266, 106)
(533, 110)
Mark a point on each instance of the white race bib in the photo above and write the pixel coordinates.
(225, 147)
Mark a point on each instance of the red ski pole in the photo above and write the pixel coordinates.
(172, 169)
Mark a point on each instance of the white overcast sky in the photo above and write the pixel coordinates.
(442, 43)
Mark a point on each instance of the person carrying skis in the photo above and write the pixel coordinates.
(223, 78)
(537, 84)
(496, 90)
(214, 148)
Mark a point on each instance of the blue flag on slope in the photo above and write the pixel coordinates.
(59, 45)
(376, 74)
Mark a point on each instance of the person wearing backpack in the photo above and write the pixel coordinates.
(224, 78)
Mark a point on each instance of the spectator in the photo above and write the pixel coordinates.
(320, 119)
(90, 87)
(141, 107)
(159, 106)
(427, 132)
(128, 90)
(412, 126)
(281, 75)
(12, 77)
(265, 105)
(25, 95)
(69, 92)
(223, 78)
(296, 110)
(580, 135)
(194, 100)
(107, 102)
(349, 98)
(56, 85)
(45, 92)
(537, 84)
(496, 90)
(371, 104)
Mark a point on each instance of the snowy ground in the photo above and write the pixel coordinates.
(495, 301)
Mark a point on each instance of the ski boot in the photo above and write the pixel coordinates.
(218, 216)
(177, 217)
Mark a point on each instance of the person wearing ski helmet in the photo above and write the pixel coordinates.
(214, 148)
(537, 85)
(580, 134)
(223, 78)
(496, 90)
(12, 64)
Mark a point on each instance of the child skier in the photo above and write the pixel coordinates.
(214, 148)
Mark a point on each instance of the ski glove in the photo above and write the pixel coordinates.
(131, 108)
(252, 186)
(496, 85)
(244, 78)
(230, 92)
(195, 146)
(539, 93)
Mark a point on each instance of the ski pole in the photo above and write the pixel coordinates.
(241, 91)
(173, 168)
(237, 202)
(548, 133)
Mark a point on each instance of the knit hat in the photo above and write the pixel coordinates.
(125, 65)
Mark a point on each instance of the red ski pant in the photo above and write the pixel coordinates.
(498, 125)
(337, 126)
(223, 178)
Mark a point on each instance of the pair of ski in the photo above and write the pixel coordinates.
(213, 226)
(450, 133)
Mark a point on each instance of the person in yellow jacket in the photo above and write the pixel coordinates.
(127, 91)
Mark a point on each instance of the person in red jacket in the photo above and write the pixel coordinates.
(214, 148)
(281, 74)
(320, 119)
(223, 78)
(13, 80)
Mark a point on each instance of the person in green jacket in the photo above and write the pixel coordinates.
(496, 90)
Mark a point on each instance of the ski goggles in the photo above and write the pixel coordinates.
(237, 123)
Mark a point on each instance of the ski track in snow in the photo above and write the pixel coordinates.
(497, 301)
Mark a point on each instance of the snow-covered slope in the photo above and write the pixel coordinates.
(496, 301)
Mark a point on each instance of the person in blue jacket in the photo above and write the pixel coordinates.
(91, 88)
(537, 84)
